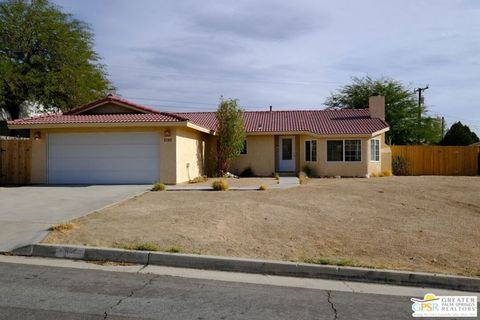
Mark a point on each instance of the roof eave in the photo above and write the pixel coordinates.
(99, 124)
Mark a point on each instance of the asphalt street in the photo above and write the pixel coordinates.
(29, 291)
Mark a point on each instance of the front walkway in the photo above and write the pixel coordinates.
(283, 183)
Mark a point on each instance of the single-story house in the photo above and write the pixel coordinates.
(115, 141)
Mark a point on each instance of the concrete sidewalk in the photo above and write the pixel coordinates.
(283, 183)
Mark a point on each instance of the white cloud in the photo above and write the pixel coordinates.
(286, 54)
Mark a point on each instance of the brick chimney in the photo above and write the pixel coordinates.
(376, 106)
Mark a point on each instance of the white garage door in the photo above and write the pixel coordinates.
(103, 158)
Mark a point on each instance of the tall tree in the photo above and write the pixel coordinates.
(401, 109)
(230, 133)
(46, 58)
(459, 135)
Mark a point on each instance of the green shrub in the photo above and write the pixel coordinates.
(158, 187)
(400, 166)
(199, 179)
(220, 185)
(247, 173)
(307, 170)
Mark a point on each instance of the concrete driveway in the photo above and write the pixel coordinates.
(26, 213)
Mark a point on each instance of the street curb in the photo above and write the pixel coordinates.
(267, 267)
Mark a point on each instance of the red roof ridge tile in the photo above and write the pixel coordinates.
(109, 98)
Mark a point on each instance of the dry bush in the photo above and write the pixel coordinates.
(158, 187)
(63, 227)
(199, 179)
(262, 187)
(387, 173)
(220, 185)
(302, 177)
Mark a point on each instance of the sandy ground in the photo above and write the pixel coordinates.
(425, 223)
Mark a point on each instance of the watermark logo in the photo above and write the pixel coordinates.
(444, 306)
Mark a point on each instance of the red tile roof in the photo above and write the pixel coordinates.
(110, 98)
(98, 118)
(322, 122)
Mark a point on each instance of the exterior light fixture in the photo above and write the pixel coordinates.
(37, 135)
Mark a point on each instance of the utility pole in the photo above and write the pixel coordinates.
(443, 127)
(420, 90)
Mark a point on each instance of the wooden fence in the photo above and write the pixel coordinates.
(440, 160)
(15, 158)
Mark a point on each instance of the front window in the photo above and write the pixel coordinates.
(375, 150)
(335, 150)
(353, 150)
(244, 149)
(311, 150)
(344, 150)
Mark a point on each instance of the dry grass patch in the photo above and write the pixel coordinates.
(148, 246)
(407, 223)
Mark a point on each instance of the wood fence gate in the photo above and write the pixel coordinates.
(440, 160)
(15, 158)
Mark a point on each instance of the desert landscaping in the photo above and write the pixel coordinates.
(426, 223)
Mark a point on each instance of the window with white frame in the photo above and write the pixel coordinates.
(375, 150)
(335, 150)
(344, 150)
(353, 150)
(311, 150)
(244, 149)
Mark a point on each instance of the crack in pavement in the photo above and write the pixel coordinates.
(348, 286)
(132, 292)
(329, 299)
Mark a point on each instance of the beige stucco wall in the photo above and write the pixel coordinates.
(349, 169)
(190, 154)
(260, 156)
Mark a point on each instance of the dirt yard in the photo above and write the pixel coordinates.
(425, 223)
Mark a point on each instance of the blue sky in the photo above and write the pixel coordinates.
(184, 55)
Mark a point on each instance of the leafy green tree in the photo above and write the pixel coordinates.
(230, 133)
(459, 135)
(46, 58)
(401, 109)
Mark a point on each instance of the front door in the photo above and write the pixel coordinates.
(287, 154)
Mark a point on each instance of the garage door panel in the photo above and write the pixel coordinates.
(105, 151)
(104, 158)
